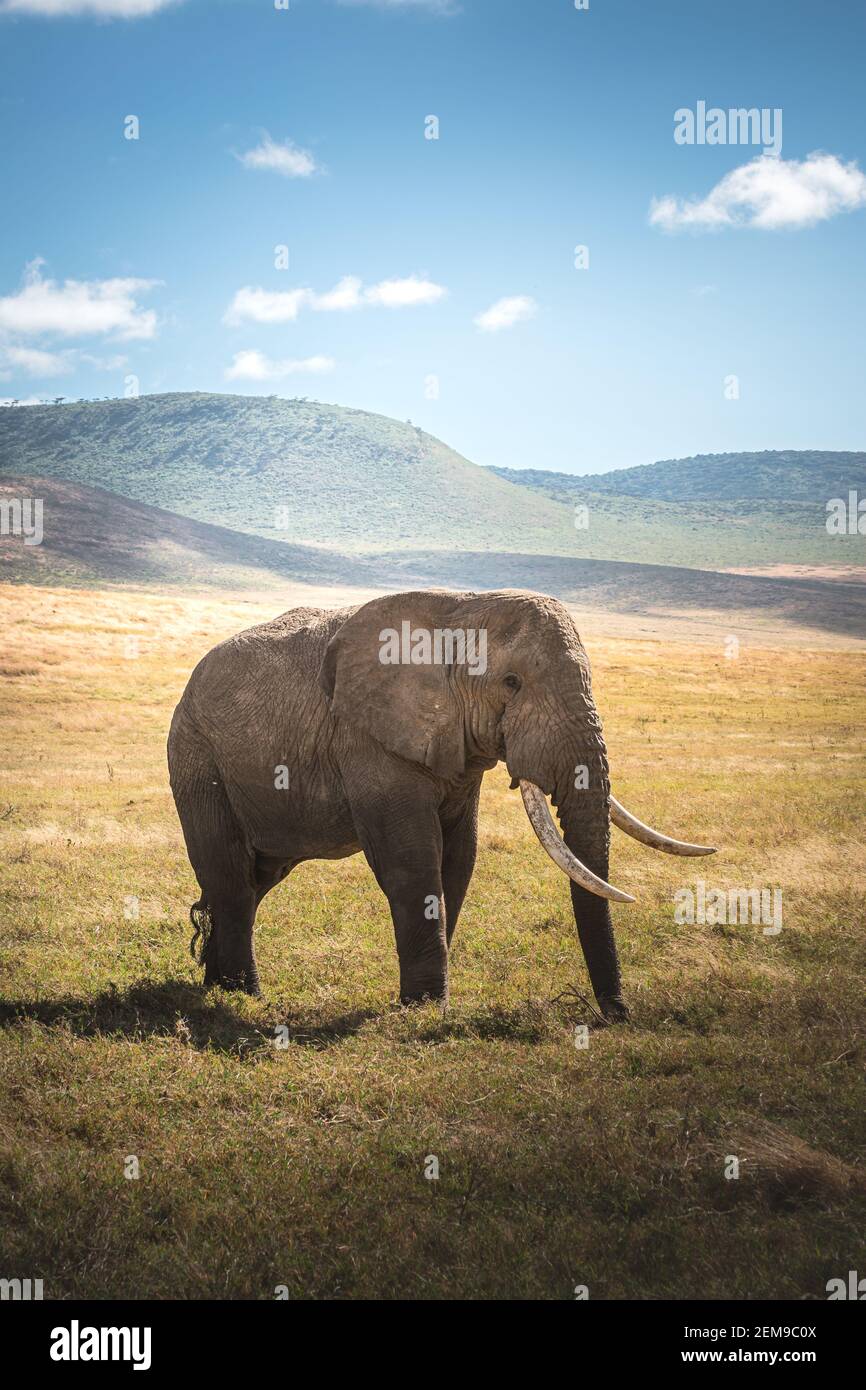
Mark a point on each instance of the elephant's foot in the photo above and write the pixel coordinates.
(427, 992)
(232, 977)
(614, 1009)
(230, 963)
(244, 984)
(247, 984)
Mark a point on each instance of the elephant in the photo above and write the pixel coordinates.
(326, 733)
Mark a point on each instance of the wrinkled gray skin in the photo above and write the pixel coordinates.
(386, 759)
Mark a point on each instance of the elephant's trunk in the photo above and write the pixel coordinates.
(585, 819)
(562, 752)
(581, 795)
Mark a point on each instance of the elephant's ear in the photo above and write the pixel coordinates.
(409, 708)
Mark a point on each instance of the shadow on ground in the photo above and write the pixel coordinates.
(210, 1021)
(176, 1008)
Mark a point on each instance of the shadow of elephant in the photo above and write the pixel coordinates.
(177, 1008)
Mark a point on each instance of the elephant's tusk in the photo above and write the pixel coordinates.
(647, 836)
(544, 826)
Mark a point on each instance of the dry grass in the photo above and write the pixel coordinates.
(304, 1165)
(792, 1169)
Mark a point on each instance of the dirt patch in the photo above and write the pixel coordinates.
(843, 574)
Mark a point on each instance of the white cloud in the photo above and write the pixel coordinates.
(77, 306)
(37, 362)
(769, 193)
(346, 294)
(104, 364)
(506, 312)
(286, 159)
(265, 306)
(101, 9)
(254, 366)
(399, 294)
(283, 306)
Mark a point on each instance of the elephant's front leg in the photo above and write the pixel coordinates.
(418, 912)
(460, 840)
(402, 841)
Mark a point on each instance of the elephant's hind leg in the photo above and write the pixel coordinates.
(229, 956)
(271, 870)
(225, 869)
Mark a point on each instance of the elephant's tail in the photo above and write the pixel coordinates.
(200, 916)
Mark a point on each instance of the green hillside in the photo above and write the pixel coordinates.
(712, 511)
(92, 537)
(358, 483)
(348, 479)
(808, 476)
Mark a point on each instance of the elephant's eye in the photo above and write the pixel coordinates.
(512, 683)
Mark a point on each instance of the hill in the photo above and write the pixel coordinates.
(759, 512)
(808, 476)
(92, 536)
(360, 483)
(347, 479)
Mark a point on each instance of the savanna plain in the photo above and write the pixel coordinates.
(297, 1159)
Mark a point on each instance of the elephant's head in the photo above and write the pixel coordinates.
(452, 681)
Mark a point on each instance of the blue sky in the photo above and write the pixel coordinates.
(306, 128)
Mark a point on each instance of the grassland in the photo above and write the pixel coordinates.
(93, 538)
(304, 1166)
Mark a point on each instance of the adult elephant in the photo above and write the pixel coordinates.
(324, 733)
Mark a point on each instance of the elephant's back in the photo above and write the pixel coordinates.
(262, 673)
(255, 716)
